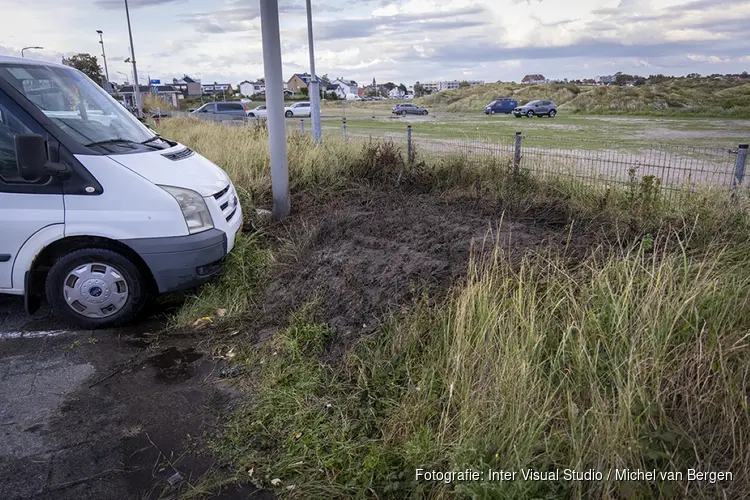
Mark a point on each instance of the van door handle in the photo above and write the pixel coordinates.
(4, 257)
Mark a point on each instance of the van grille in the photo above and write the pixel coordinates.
(179, 155)
(228, 202)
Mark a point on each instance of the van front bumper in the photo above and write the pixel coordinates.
(182, 262)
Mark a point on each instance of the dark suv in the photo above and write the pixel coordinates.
(503, 105)
(409, 109)
(536, 108)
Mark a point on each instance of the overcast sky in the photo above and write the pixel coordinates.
(393, 40)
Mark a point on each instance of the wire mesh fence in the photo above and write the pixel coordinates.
(676, 169)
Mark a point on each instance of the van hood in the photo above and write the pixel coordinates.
(185, 169)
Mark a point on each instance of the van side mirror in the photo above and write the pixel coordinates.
(32, 158)
(31, 155)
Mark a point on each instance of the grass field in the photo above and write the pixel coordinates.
(376, 119)
(586, 329)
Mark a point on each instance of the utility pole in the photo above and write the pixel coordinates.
(314, 87)
(269, 21)
(104, 55)
(137, 87)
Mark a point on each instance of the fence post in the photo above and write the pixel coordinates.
(517, 154)
(344, 120)
(408, 144)
(302, 126)
(739, 168)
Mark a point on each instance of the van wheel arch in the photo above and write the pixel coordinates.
(35, 281)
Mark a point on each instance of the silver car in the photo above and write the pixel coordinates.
(536, 108)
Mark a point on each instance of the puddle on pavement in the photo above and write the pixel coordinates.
(173, 364)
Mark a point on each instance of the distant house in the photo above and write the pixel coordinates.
(299, 81)
(345, 87)
(331, 89)
(250, 89)
(437, 86)
(128, 93)
(189, 87)
(534, 79)
(169, 93)
(396, 93)
(216, 88)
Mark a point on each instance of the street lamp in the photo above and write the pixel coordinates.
(27, 48)
(104, 56)
(137, 87)
(269, 27)
(314, 90)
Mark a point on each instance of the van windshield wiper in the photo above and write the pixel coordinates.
(111, 141)
(123, 141)
(154, 138)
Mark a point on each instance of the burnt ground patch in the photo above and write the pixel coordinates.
(365, 254)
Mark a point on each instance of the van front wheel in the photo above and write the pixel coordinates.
(95, 288)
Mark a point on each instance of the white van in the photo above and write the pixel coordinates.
(97, 212)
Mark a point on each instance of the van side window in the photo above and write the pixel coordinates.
(10, 126)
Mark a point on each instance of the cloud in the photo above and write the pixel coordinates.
(472, 51)
(399, 24)
(132, 4)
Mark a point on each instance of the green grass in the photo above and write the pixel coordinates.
(623, 361)
(234, 292)
(632, 356)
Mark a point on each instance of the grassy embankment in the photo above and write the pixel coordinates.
(686, 97)
(634, 357)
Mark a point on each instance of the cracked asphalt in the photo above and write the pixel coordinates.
(105, 414)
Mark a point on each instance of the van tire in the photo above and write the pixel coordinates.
(492, 111)
(137, 291)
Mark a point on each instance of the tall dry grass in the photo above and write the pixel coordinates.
(635, 357)
(625, 361)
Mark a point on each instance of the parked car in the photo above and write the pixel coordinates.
(259, 112)
(97, 212)
(503, 105)
(298, 109)
(536, 108)
(222, 110)
(408, 109)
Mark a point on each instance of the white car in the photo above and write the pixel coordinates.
(259, 112)
(97, 212)
(298, 109)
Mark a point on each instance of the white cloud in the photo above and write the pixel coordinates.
(399, 40)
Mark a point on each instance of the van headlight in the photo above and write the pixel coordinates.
(193, 208)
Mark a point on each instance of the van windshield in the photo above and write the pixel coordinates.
(76, 104)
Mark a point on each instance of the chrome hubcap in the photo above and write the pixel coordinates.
(95, 290)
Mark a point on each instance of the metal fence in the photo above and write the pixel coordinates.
(676, 168)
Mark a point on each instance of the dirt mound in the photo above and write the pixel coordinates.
(371, 253)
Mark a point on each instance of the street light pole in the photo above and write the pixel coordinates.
(137, 87)
(104, 55)
(314, 88)
(269, 22)
(27, 48)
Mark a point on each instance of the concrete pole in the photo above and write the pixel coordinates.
(137, 88)
(314, 87)
(269, 20)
